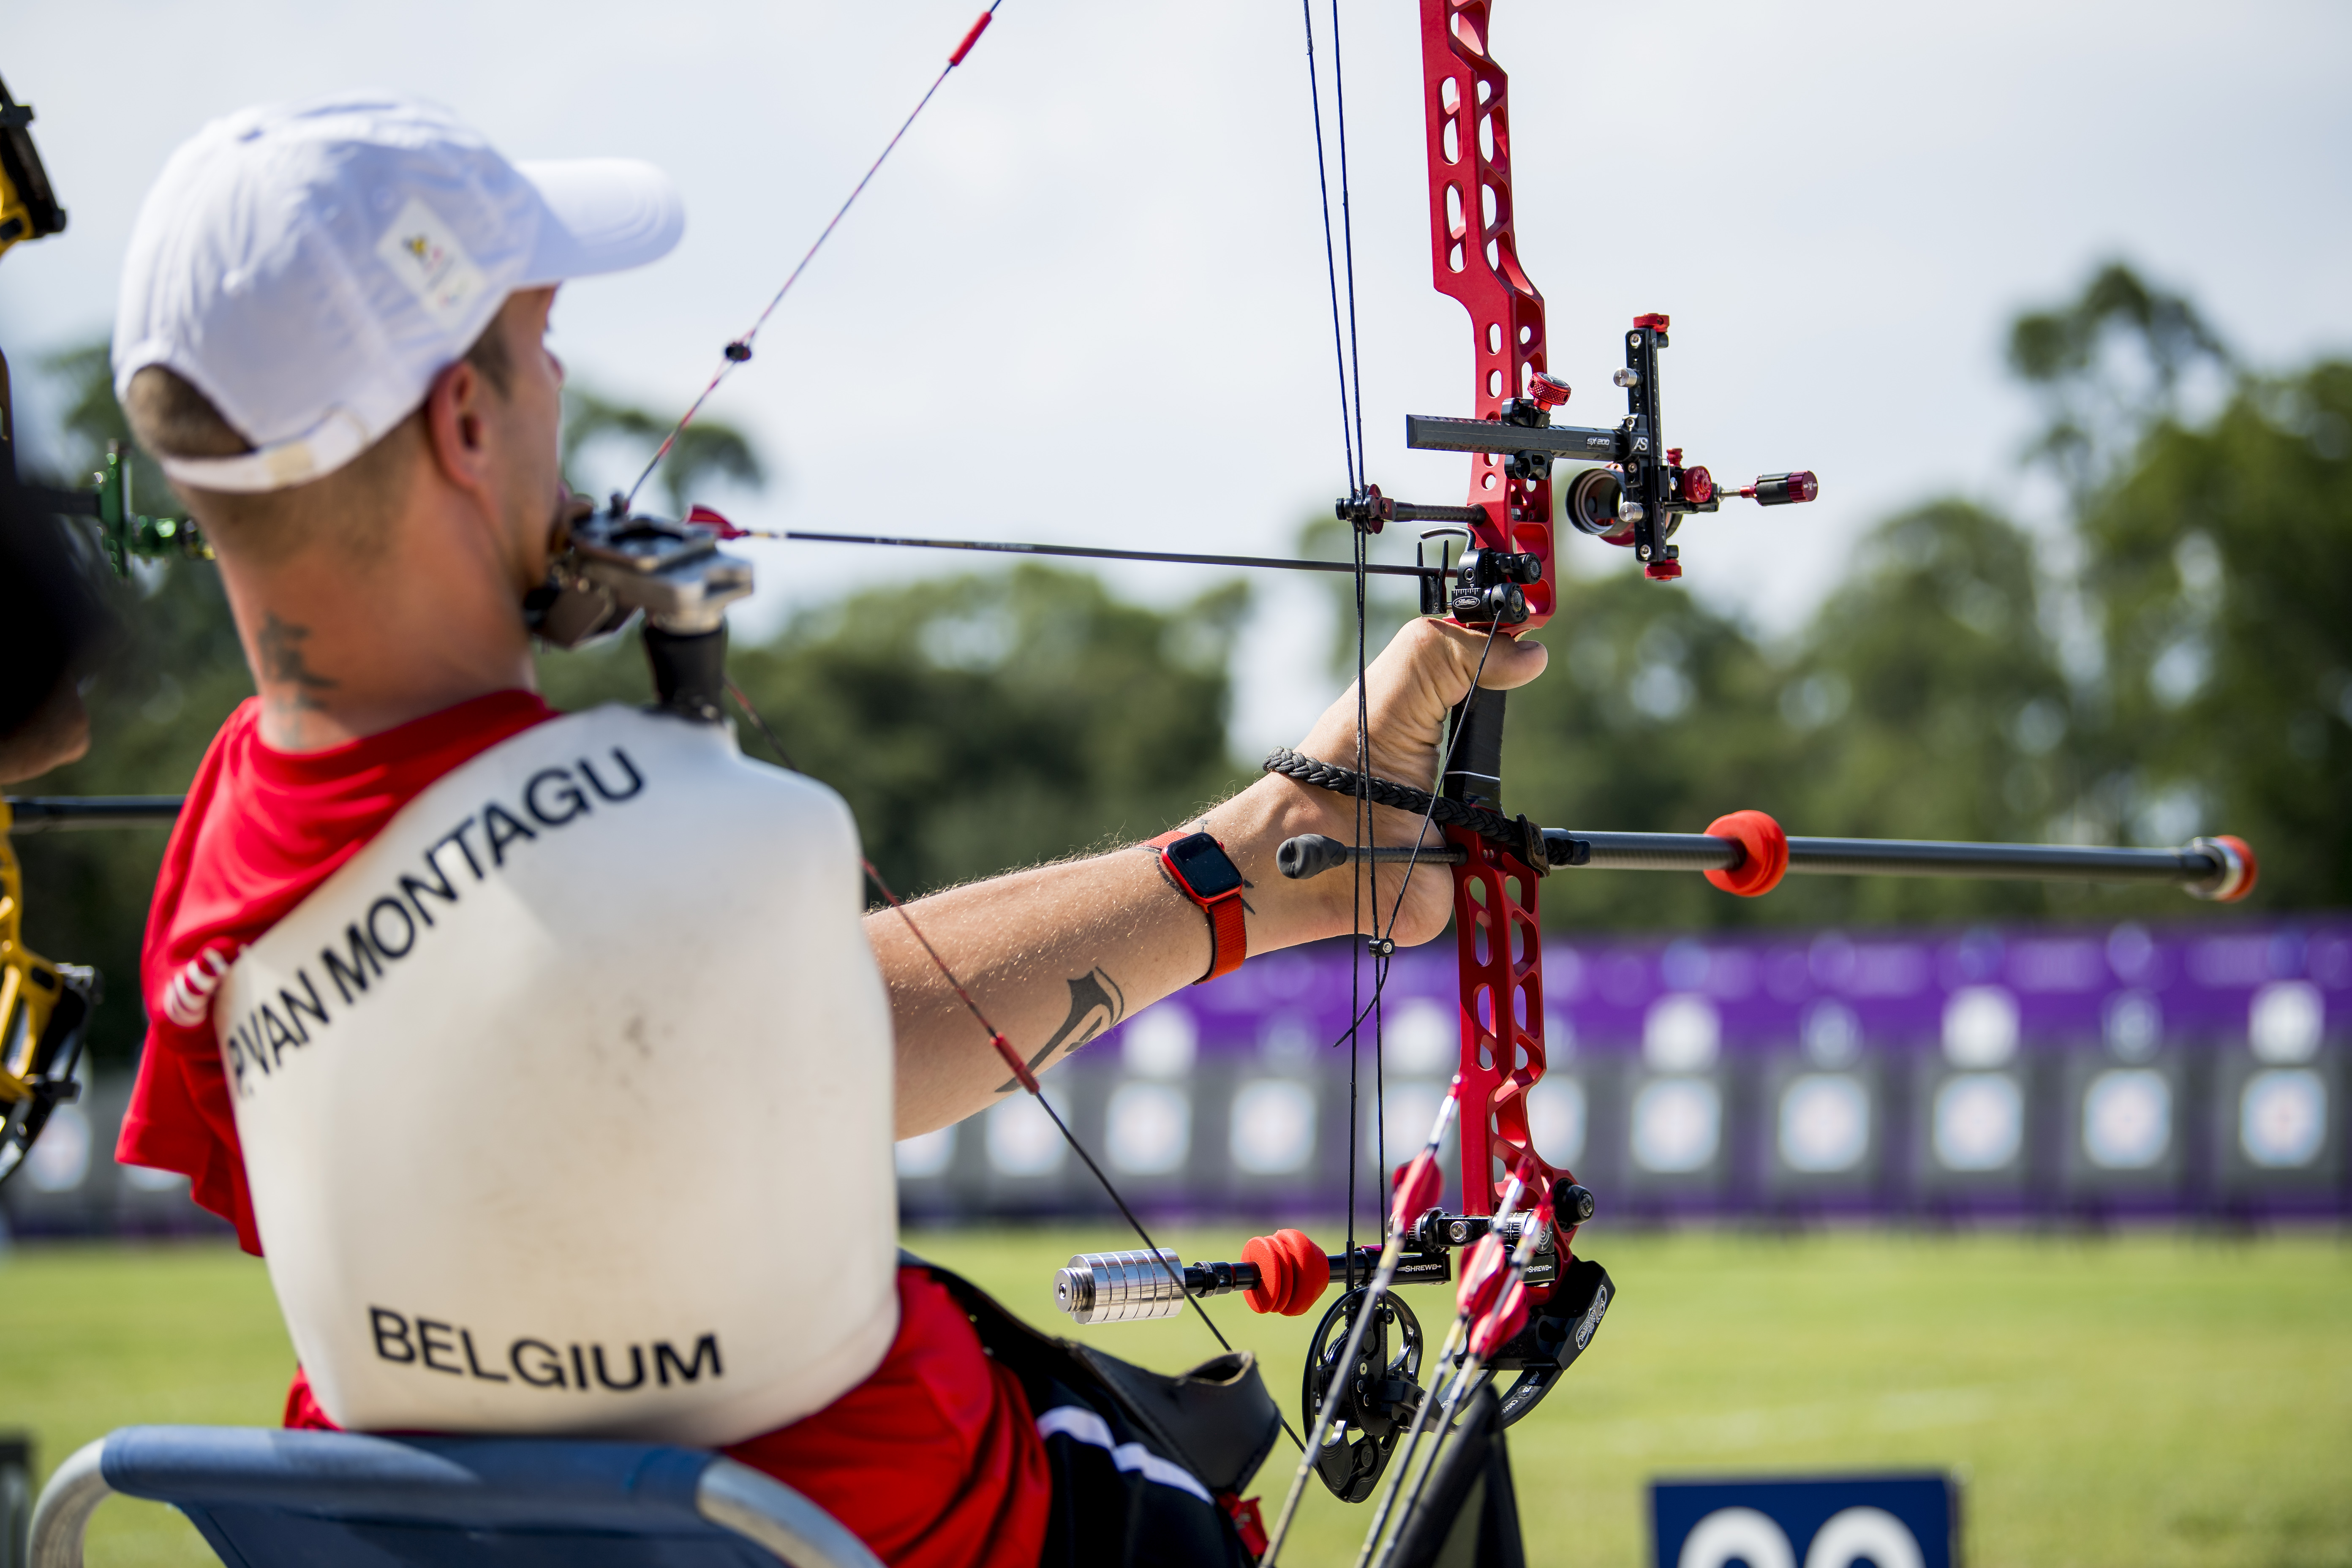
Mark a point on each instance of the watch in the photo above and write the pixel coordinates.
(1207, 875)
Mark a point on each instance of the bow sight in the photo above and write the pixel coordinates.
(1635, 492)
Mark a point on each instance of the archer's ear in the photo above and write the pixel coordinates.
(458, 427)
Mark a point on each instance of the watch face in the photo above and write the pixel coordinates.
(1204, 868)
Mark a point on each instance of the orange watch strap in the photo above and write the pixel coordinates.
(1228, 923)
(1230, 931)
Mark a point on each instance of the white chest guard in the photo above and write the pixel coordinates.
(567, 1103)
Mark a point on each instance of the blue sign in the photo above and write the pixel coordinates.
(1833, 1521)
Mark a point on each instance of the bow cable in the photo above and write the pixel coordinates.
(739, 352)
(1350, 377)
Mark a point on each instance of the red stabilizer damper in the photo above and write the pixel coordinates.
(1767, 854)
(2245, 881)
(1291, 1273)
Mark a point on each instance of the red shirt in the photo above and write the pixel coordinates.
(934, 1460)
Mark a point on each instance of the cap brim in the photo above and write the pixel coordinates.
(603, 214)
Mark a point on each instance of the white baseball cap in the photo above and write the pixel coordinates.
(312, 267)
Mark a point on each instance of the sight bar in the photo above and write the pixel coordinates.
(1433, 432)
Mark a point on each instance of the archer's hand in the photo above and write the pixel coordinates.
(1410, 689)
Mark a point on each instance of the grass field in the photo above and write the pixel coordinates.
(2141, 1400)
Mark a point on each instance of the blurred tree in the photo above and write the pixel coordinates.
(2222, 563)
(1925, 702)
(705, 449)
(1655, 715)
(2108, 367)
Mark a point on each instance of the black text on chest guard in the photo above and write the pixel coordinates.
(430, 1344)
(396, 918)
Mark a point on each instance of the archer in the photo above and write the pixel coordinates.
(537, 1049)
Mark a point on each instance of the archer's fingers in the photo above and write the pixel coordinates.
(1447, 656)
(1510, 662)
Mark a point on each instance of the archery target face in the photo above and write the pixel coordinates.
(1677, 1125)
(2283, 1117)
(1149, 1128)
(1022, 1139)
(1979, 1122)
(1556, 1108)
(1824, 1123)
(1272, 1126)
(1402, 1123)
(2127, 1118)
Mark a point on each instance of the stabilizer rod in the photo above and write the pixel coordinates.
(2209, 868)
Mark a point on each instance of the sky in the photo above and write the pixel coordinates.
(1085, 300)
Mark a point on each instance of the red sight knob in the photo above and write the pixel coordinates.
(1547, 391)
(1698, 486)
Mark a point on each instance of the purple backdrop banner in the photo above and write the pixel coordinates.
(2124, 1070)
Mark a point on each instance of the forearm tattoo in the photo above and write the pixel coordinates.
(1097, 1004)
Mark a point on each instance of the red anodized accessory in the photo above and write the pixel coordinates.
(1291, 1270)
(1767, 859)
(2239, 868)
